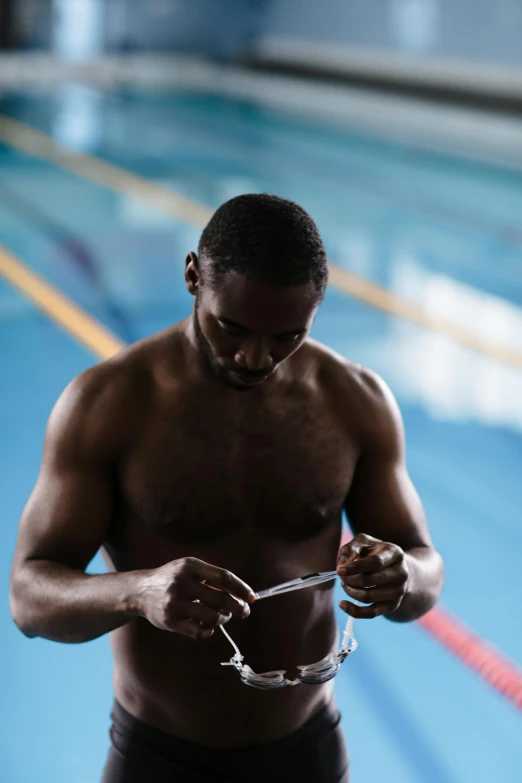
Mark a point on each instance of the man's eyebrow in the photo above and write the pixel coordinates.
(229, 322)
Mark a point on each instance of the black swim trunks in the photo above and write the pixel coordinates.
(315, 753)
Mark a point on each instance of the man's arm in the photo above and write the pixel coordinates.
(65, 522)
(391, 562)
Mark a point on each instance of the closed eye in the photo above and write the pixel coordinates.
(233, 331)
(236, 330)
(289, 338)
(231, 328)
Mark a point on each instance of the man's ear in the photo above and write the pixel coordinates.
(192, 276)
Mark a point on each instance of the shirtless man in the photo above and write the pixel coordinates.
(209, 461)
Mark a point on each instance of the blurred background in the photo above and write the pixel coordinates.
(398, 125)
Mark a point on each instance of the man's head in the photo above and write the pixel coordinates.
(259, 278)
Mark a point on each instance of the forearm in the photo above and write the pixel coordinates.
(426, 576)
(64, 605)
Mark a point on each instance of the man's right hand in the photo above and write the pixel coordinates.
(191, 597)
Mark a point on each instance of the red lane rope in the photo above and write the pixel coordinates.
(474, 652)
(478, 655)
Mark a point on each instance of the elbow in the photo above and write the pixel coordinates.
(19, 606)
(21, 622)
(24, 628)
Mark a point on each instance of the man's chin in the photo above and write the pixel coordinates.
(238, 382)
(239, 387)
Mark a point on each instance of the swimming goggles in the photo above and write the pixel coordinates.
(314, 673)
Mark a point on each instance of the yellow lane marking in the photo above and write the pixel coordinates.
(382, 299)
(100, 341)
(38, 144)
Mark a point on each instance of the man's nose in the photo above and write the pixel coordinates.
(254, 354)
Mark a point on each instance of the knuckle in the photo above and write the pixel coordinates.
(172, 593)
(226, 577)
(398, 557)
(188, 566)
(168, 610)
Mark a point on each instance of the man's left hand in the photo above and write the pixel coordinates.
(372, 572)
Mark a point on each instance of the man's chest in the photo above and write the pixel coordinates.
(284, 473)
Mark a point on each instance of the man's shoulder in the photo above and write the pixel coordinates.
(109, 399)
(343, 375)
(353, 388)
(130, 373)
(110, 383)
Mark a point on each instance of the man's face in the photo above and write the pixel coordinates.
(246, 330)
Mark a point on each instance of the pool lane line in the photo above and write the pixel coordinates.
(62, 310)
(73, 248)
(38, 144)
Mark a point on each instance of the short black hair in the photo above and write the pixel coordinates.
(266, 238)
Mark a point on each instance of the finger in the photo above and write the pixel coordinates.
(377, 561)
(368, 612)
(375, 594)
(219, 600)
(395, 575)
(359, 545)
(194, 629)
(221, 579)
(193, 610)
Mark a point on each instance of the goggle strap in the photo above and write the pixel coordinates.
(238, 658)
(297, 584)
(349, 642)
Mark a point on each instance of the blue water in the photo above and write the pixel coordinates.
(438, 230)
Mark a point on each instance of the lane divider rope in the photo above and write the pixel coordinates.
(475, 653)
